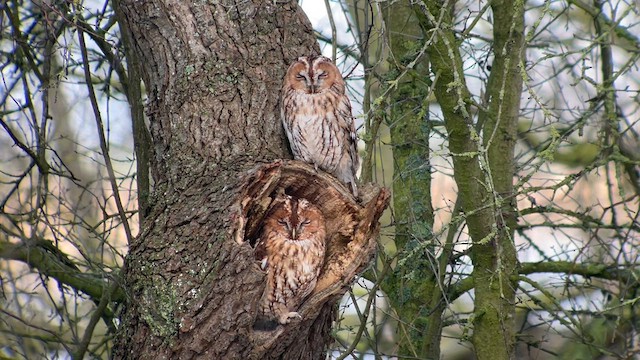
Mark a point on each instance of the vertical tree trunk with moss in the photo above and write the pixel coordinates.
(495, 262)
(484, 178)
(412, 284)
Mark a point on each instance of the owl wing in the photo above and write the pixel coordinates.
(347, 126)
(289, 120)
(260, 254)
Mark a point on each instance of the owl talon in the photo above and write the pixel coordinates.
(286, 318)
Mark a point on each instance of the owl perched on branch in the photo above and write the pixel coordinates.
(291, 249)
(316, 115)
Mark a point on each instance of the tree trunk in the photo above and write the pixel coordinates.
(412, 287)
(213, 71)
(496, 261)
(485, 182)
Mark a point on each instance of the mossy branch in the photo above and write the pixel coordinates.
(587, 270)
(51, 262)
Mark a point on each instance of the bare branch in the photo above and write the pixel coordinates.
(50, 261)
(102, 137)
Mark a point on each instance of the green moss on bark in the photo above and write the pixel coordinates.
(483, 165)
(412, 283)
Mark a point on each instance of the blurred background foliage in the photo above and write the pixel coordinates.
(70, 188)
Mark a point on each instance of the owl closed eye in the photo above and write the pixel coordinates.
(291, 250)
(316, 116)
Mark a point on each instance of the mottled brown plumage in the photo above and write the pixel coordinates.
(291, 249)
(316, 115)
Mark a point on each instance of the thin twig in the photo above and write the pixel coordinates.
(333, 30)
(365, 314)
(95, 317)
(103, 140)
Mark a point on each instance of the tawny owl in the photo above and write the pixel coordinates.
(316, 115)
(291, 249)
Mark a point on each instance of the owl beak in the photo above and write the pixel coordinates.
(293, 234)
(312, 88)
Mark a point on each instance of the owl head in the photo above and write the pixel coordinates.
(297, 218)
(313, 75)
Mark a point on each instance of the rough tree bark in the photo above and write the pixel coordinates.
(213, 71)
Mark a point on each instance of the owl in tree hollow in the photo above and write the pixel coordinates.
(291, 250)
(316, 115)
